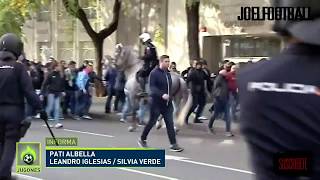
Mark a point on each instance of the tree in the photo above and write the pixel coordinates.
(73, 8)
(14, 13)
(192, 10)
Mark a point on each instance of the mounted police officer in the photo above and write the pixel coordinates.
(15, 86)
(280, 99)
(150, 59)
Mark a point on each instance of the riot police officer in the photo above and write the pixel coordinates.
(280, 108)
(150, 59)
(15, 86)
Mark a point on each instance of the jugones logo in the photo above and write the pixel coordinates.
(284, 87)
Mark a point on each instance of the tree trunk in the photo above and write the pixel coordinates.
(192, 11)
(98, 44)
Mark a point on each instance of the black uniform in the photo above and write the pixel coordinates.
(196, 81)
(280, 107)
(15, 85)
(150, 59)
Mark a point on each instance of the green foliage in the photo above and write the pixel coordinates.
(14, 13)
(159, 35)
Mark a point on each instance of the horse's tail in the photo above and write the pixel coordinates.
(186, 103)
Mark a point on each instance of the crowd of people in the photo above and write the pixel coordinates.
(218, 88)
(63, 89)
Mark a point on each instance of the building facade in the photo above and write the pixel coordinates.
(52, 32)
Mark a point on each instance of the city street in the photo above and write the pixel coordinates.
(206, 156)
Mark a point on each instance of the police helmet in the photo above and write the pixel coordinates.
(145, 37)
(12, 43)
(307, 31)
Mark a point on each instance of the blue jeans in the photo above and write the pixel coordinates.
(233, 102)
(143, 107)
(221, 107)
(53, 105)
(83, 104)
(126, 108)
(70, 102)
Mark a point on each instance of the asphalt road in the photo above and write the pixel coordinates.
(206, 156)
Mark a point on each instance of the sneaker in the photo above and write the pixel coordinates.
(229, 134)
(158, 125)
(210, 131)
(142, 143)
(37, 116)
(58, 126)
(176, 148)
(50, 119)
(61, 118)
(202, 118)
(87, 117)
(122, 120)
(76, 118)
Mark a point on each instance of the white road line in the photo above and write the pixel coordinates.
(182, 159)
(216, 166)
(84, 132)
(26, 177)
(148, 174)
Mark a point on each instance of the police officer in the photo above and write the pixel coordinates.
(150, 59)
(280, 108)
(196, 81)
(15, 86)
(161, 103)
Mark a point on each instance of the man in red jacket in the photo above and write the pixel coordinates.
(233, 92)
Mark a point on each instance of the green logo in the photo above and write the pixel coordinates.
(28, 157)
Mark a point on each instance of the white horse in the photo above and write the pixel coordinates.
(126, 59)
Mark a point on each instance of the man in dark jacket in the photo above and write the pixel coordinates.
(161, 103)
(196, 81)
(71, 88)
(119, 91)
(110, 78)
(186, 72)
(15, 86)
(54, 88)
(221, 97)
(280, 102)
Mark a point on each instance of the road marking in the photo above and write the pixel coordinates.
(149, 174)
(169, 157)
(227, 142)
(177, 158)
(26, 177)
(216, 166)
(84, 132)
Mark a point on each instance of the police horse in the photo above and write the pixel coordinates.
(126, 59)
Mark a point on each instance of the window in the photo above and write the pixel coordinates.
(44, 14)
(44, 50)
(65, 51)
(87, 51)
(253, 47)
